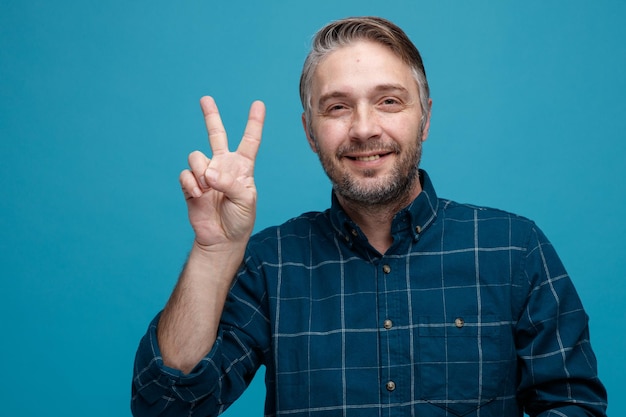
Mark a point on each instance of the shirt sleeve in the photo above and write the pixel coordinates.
(558, 369)
(220, 377)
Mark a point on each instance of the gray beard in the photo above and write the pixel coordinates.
(394, 191)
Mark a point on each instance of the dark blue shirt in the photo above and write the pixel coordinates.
(469, 313)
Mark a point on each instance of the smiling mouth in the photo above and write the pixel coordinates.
(367, 158)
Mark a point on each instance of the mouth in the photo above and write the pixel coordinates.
(367, 158)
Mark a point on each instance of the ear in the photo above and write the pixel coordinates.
(309, 138)
(427, 124)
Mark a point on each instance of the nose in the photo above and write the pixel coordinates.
(365, 123)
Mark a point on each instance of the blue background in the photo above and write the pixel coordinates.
(99, 109)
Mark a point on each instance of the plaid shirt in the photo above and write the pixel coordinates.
(469, 313)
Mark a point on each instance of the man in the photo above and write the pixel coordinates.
(391, 302)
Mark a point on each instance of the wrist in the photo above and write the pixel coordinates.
(223, 250)
(218, 262)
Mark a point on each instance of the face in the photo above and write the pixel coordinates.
(366, 124)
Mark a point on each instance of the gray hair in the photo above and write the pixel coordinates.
(343, 32)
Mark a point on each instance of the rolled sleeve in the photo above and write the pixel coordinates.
(160, 390)
(222, 375)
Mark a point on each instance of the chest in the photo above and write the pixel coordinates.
(407, 328)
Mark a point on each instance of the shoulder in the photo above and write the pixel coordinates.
(487, 221)
(303, 228)
(454, 210)
(291, 242)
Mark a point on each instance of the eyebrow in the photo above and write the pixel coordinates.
(382, 88)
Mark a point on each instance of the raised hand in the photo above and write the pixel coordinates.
(220, 191)
(221, 200)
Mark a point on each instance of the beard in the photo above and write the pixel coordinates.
(372, 189)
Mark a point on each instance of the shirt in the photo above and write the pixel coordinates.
(470, 312)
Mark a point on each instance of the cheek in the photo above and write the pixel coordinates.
(329, 134)
(405, 131)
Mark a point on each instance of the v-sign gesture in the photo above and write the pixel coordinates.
(221, 200)
(220, 191)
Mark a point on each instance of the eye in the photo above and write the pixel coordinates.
(391, 104)
(390, 101)
(336, 109)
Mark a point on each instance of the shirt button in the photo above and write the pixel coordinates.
(390, 386)
(354, 233)
(388, 324)
(386, 269)
(459, 322)
(418, 229)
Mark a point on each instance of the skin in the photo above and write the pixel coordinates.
(221, 203)
(366, 130)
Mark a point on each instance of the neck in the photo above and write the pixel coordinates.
(375, 220)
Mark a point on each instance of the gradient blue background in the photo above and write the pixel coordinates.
(99, 109)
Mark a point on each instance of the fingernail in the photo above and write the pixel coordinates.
(211, 174)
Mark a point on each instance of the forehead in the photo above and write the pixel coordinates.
(359, 67)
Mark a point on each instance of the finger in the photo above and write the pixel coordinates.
(251, 140)
(189, 184)
(214, 125)
(236, 191)
(198, 163)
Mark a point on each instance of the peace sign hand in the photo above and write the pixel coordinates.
(220, 191)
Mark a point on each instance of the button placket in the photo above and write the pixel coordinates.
(390, 335)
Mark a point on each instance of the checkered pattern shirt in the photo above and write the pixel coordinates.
(469, 313)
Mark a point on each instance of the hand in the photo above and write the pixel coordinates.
(220, 191)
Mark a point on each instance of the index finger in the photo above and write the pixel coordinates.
(214, 125)
(251, 140)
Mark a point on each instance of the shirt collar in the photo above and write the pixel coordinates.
(413, 219)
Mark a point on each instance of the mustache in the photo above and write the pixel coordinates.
(382, 148)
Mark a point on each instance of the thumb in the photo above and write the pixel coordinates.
(236, 191)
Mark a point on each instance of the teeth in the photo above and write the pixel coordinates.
(368, 158)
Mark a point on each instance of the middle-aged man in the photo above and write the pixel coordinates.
(393, 302)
